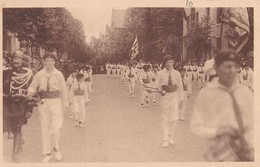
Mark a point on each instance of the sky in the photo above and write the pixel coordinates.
(94, 20)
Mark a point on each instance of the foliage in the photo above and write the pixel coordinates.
(198, 38)
(49, 28)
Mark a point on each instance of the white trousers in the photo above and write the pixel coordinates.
(114, 72)
(79, 108)
(169, 115)
(131, 86)
(51, 118)
(145, 95)
(189, 76)
(118, 73)
(108, 72)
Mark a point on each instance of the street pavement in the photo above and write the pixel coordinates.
(117, 129)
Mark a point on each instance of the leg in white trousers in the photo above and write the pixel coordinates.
(51, 119)
(131, 86)
(169, 116)
(79, 108)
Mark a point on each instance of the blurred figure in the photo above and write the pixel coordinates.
(223, 113)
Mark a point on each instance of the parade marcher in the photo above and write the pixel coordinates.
(154, 86)
(187, 91)
(223, 113)
(247, 76)
(201, 75)
(132, 78)
(88, 80)
(108, 69)
(122, 73)
(118, 69)
(51, 86)
(189, 69)
(145, 79)
(169, 83)
(70, 81)
(78, 97)
(114, 70)
(195, 73)
(16, 108)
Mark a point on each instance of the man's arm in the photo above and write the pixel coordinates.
(32, 89)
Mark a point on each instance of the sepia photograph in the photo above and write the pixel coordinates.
(130, 84)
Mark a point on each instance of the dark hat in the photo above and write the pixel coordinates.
(19, 54)
(146, 67)
(49, 55)
(226, 55)
(155, 66)
(167, 58)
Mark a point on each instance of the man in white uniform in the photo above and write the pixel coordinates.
(169, 82)
(108, 68)
(145, 80)
(51, 86)
(71, 80)
(220, 107)
(132, 78)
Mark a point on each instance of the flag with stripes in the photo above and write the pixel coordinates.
(238, 21)
(134, 49)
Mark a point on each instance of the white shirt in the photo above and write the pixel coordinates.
(56, 83)
(162, 79)
(214, 108)
(131, 71)
(75, 86)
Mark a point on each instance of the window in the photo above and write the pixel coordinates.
(197, 17)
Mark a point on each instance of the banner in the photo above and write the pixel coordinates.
(238, 32)
(134, 49)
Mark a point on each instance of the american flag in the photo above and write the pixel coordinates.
(238, 33)
(134, 49)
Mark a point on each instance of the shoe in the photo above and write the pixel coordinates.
(46, 159)
(81, 125)
(165, 144)
(58, 155)
(171, 141)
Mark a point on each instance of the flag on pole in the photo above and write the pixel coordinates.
(134, 49)
(238, 21)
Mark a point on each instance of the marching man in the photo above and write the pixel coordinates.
(114, 70)
(201, 75)
(108, 68)
(169, 83)
(145, 80)
(50, 84)
(70, 81)
(189, 69)
(78, 97)
(88, 80)
(154, 76)
(118, 69)
(132, 78)
(223, 113)
(122, 73)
